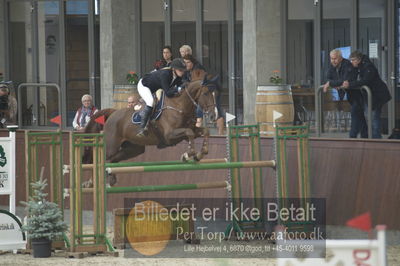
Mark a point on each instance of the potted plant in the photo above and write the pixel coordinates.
(45, 220)
(132, 77)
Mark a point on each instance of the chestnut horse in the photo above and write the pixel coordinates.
(176, 123)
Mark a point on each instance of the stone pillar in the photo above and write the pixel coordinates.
(106, 58)
(3, 40)
(261, 49)
(118, 49)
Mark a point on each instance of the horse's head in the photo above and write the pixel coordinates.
(203, 92)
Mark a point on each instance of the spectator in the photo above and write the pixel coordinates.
(339, 71)
(185, 50)
(134, 102)
(191, 64)
(84, 113)
(166, 60)
(8, 106)
(368, 75)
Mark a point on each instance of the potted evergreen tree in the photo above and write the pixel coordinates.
(45, 220)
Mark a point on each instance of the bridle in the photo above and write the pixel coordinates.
(195, 103)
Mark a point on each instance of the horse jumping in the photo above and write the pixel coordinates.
(176, 123)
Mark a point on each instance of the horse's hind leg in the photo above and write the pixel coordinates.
(127, 151)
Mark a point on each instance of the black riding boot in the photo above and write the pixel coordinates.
(143, 125)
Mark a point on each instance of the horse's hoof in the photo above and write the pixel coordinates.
(87, 184)
(198, 157)
(185, 157)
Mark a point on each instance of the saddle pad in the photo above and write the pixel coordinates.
(137, 116)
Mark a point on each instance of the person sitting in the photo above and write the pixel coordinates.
(166, 60)
(84, 113)
(8, 106)
(168, 79)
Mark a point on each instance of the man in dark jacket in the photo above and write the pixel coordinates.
(368, 75)
(339, 71)
(168, 79)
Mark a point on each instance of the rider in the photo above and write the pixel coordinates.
(169, 79)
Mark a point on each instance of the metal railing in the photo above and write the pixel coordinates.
(318, 110)
(35, 105)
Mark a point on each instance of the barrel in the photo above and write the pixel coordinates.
(121, 94)
(270, 98)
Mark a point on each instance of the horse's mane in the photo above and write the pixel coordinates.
(198, 74)
(194, 83)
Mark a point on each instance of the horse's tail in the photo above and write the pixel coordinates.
(94, 127)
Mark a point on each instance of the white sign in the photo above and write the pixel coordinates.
(7, 168)
(11, 236)
(335, 252)
(229, 117)
(373, 49)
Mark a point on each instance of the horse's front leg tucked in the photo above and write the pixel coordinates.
(182, 133)
(205, 132)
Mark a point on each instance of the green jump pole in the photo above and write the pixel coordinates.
(223, 160)
(186, 167)
(222, 184)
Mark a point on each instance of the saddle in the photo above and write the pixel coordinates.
(159, 97)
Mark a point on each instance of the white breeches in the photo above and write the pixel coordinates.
(145, 93)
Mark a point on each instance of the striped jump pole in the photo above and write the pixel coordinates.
(222, 184)
(187, 167)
